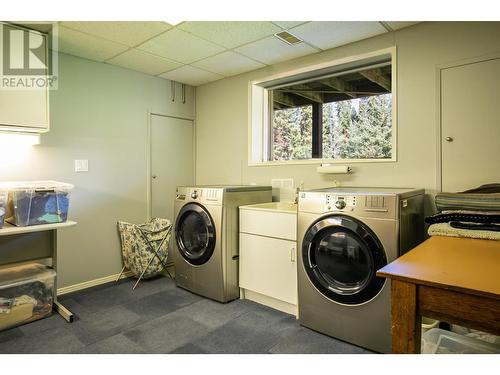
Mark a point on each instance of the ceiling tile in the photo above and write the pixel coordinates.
(143, 62)
(228, 64)
(87, 46)
(231, 34)
(272, 50)
(129, 33)
(326, 35)
(191, 76)
(396, 25)
(288, 24)
(180, 46)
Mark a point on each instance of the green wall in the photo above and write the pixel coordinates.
(222, 111)
(99, 113)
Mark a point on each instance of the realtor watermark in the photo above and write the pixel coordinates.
(28, 56)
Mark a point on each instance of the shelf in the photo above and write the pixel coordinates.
(9, 230)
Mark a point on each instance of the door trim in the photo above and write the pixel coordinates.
(149, 156)
(439, 114)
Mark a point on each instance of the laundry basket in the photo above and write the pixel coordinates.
(145, 247)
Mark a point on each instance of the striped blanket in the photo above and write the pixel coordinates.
(483, 198)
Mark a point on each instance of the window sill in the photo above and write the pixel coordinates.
(318, 162)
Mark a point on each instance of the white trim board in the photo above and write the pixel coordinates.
(100, 281)
(91, 283)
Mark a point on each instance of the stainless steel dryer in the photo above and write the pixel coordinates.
(345, 235)
(206, 237)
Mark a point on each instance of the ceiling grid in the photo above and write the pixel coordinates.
(196, 53)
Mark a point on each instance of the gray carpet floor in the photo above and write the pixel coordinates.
(158, 317)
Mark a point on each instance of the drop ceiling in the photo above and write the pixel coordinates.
(196, 53)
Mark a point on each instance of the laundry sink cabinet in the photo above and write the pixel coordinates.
(268, 255)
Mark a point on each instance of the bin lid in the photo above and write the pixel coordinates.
(451, 342)
(25, 185)
(17, 275)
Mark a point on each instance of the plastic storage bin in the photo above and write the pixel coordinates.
(428, 324)
(3, 206)
(37, 202)
(439, 341)
(26, 294)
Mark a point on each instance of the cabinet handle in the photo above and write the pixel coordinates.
(292, 254)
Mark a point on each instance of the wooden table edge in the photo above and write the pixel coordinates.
(438, 285)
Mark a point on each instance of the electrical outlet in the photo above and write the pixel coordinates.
(81, 165)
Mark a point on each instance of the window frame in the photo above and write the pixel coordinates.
(260, 122)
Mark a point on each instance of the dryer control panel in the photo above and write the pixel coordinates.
(335, 202)
(203, 195)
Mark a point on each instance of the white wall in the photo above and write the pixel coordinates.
(222, 111)
(98, 113)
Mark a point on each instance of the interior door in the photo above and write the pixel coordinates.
(172, 162)
(470, 125)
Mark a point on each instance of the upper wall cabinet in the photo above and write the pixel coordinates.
(24, 84)
(181, 101)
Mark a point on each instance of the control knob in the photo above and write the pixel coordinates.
(340, 204)
(194, 194)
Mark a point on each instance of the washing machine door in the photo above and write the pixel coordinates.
(195, 234)
(341, 256)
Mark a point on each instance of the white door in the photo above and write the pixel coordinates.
(172, 162)
(470, 125)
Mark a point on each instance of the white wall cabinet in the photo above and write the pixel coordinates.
(268, 257)
(23, 109)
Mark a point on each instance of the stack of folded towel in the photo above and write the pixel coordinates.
(473, 213)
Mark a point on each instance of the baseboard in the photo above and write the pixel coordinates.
(269, 301)
(91, 283)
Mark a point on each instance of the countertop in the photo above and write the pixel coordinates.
(283, 207)
(461, 264)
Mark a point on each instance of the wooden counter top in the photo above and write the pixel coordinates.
(460, 264)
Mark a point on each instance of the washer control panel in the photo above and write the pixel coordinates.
(340, 202)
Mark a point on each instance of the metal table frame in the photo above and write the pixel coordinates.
(25, 244)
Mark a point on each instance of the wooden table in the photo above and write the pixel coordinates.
(37, 242)
(455, 280)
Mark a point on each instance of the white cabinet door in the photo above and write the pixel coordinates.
(23, 109)
(470, 113)
(269, 266)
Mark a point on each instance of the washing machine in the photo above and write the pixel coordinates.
(345, 235)
(206, 237)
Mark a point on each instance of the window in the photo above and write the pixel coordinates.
(343, 111)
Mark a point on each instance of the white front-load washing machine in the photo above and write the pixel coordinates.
(345, 235)
(206, 237)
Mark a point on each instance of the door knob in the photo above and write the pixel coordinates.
(449, 139)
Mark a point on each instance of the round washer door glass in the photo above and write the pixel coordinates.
(195, 234)
(341, 256)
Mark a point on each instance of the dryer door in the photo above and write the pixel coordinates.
(195, 234)
(341, 256)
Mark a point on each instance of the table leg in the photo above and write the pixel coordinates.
(406, 320)
(57, 306)
(64, 312)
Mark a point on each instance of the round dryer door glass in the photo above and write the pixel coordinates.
(195, 234)
(344, 263)
(341, 256)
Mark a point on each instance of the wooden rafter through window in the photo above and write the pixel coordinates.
(376, 76)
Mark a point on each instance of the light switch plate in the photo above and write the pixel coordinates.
(81, 165)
